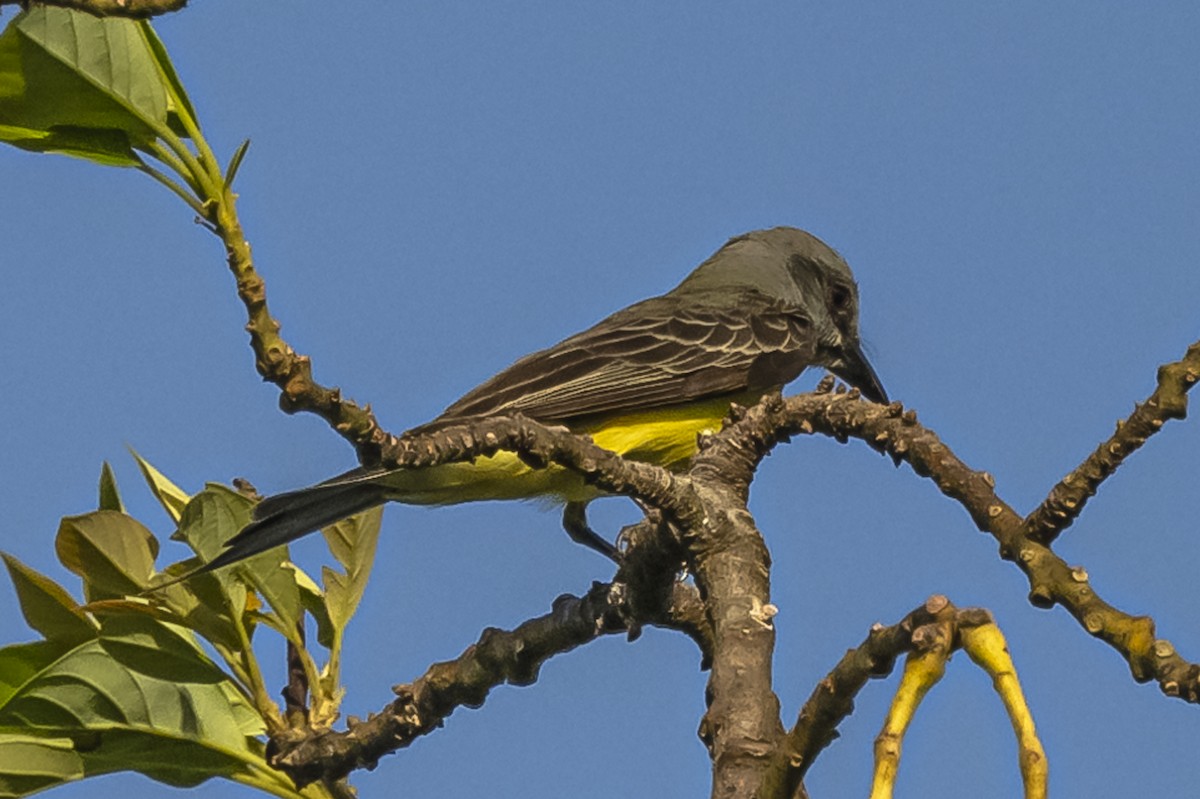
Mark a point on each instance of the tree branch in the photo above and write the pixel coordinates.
(498, 657)
(704, 522)
(895, 431)
(540, 447)
(653, 556)
(1066, 500)
(833, 698)
(275, 359)
(875, 658)
(703, 519)
(295, 692)
(741, 727)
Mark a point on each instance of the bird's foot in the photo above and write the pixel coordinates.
(576, 524)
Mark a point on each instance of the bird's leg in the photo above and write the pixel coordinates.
(576, 524)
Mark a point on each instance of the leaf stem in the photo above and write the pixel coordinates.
(179, 190)
(206, 163)
(258, 688)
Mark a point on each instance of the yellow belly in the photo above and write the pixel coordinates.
(664, 436)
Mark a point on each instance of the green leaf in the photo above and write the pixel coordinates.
(178, 102)
(47, 606)
(112, 552)
(29, 764)
(313, 600)
(235, 163)
(206, 603)
(110, 498)
(107, 147)
(214, 516)
(21, 663)
(109, 53)
(153, 648)
(212, 621)
(113, 716)
(211, 518)
(91, 87)
(201, 603)
(352, 542)
(170, 496)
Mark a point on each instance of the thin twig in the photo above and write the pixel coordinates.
(1066, 500)
(275, 359)
(295, 692)
(833, 698)
(895, 431)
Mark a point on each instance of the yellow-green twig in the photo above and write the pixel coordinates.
(985, 645)
(922, 670)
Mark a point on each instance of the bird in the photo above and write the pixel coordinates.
(643, 383)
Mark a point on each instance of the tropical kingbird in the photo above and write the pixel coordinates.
(642, 383)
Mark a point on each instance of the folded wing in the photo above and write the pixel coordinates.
(663, 351)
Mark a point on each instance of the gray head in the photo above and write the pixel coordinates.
(800, 270)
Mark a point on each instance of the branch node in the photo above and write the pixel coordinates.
(936, 603)
(1163, 648)
(1040, 596)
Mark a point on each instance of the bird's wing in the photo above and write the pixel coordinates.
(663, 351)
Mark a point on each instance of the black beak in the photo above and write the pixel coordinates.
(853, 367)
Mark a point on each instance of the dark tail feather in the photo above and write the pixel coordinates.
(286, 517)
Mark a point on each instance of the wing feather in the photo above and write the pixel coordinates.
(663, 351)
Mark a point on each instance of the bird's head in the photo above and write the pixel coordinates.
(802, 271)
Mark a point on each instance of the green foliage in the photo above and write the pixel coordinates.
(104, 89)
(151, 673)
(352, 542)
(126, 682)
(170, 496)
(47, 606)
(110, 497)
(94, 88)
(112, 552)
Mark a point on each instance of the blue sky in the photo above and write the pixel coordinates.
(435, 189)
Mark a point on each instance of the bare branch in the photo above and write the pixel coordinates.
(1052, 581)
(1169, 401)
(498, 657)
(833, 698)
(703, 522)
(654, 556)
(295, 692)
(741, 727)
(275, 359)
(923, 668)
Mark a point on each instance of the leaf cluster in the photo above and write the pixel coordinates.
(104, 89)
(165, 681)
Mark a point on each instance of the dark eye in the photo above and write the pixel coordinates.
(839, 298)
